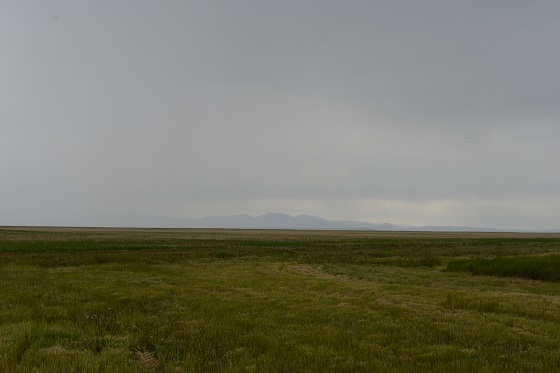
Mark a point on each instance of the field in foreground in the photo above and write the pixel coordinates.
(273, 301)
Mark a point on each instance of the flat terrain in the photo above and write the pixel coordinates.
(271, 301)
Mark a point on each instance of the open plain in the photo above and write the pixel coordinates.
(270, 301)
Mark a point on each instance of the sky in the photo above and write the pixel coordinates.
(401, 111)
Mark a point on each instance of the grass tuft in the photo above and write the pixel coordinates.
(145, 358)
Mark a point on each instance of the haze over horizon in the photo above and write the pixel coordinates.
(405, 112)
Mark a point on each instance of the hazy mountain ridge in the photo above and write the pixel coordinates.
(266, 221)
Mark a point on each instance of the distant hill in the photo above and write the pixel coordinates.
(285, 221)
(437, 228)
(243, 221)
(266, 221)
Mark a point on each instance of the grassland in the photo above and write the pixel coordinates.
(274, 301)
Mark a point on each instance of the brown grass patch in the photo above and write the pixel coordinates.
(317, 272)
(146, 359)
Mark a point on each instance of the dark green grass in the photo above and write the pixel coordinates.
(310, 246)
(545, 268)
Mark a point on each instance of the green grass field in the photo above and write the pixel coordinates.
(85, 300)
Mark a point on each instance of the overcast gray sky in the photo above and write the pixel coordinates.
(408, 112)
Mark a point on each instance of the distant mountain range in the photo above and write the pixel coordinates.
(266, 221)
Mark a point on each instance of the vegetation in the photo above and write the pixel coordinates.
(266, 301)
(545, 267)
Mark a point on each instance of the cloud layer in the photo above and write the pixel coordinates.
(414, 113)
